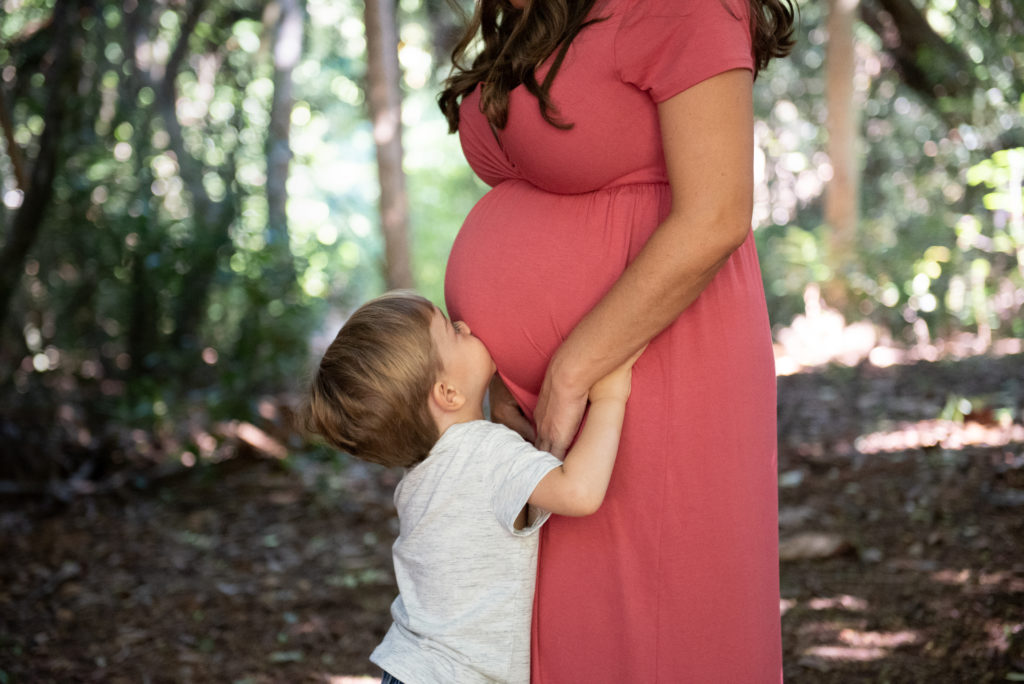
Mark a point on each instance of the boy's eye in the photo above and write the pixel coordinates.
(458, 326)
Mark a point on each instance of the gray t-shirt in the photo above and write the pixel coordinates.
(465, 574)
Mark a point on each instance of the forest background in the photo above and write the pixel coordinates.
(191, 196)
(195, 193)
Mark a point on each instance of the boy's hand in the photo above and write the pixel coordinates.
(506, 411)
(616, 385)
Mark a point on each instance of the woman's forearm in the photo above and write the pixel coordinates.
(668, 275)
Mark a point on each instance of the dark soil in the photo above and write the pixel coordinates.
(902, 502)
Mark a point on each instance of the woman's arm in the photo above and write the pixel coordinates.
(578, 486)
(707, 136)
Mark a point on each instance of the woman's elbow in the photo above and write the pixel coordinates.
(719, 230)
(734, 227)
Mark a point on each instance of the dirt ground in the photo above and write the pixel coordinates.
(902, 525)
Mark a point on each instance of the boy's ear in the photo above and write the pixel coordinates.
(446, 397)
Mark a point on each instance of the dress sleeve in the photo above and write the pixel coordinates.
(666, 46)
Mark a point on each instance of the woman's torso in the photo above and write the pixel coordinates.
(568, 210)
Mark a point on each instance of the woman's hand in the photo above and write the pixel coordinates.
(505, 410)
(559, 412)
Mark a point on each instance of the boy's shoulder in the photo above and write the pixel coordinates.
(477, 434)
(459, 441)
(467, 451)
(474, 443)
(476, 448)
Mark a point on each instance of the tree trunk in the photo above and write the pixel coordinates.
(385, 99)
(286, 49)
(24, 230)
(842, 124)
(212, 218)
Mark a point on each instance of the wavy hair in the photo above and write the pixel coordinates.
(514, 42)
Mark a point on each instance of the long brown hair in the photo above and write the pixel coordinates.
(515, 41)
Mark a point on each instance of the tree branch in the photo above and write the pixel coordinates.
(28, 220)
(13, 149)
(927, 63)
(166, 91)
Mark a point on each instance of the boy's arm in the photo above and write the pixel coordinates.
(578, 486)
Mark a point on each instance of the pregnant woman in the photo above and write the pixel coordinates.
(617, 136)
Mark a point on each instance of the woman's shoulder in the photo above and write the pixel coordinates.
(666, 46)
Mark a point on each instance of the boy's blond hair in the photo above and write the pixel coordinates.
(369, 396)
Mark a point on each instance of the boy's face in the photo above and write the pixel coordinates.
(467, 363)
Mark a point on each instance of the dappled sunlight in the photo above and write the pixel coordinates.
(949, 576)
(846, 653)
(844, 602)
(887, 640)
(13, 199)
(260, 440)
(974, 582)
(1000, 633)
(930, 507)
(1013, 582)
(821, 335)
(946, 434)
(839, 642)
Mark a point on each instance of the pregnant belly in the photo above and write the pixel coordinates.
(527, 265)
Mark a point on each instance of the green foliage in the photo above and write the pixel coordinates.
(340, 220)
(1001, 173)
(157, 285)
(934, 256)
(137, 221)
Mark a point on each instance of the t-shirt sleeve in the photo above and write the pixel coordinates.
(666, 46)
(518, 468)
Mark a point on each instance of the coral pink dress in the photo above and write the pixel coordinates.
(675, 579)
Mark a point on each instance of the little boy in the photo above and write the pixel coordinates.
(401, 386)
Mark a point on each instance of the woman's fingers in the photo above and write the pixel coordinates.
(558, 418)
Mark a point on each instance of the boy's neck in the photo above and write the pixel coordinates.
(466, 414)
